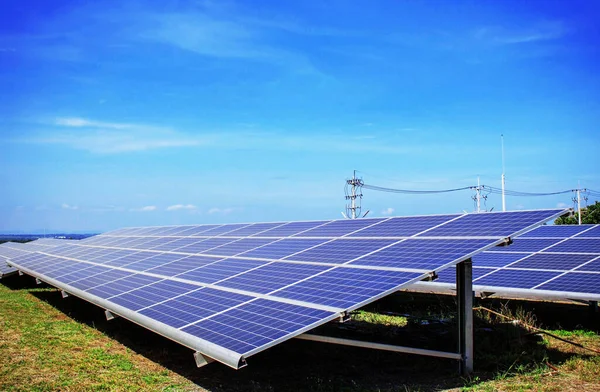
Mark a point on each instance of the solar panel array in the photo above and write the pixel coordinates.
(10, 250)
(551, 261)
(230, 291)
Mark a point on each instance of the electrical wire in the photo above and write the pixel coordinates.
(414, 192)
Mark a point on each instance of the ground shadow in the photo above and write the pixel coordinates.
(304, 365)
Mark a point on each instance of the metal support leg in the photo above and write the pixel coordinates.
(464, 292)
(593, 307)
(21, 273)
(37, 281)
(202, 360)
(109, 315)
(64, 294)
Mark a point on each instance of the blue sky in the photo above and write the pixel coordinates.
(117, 113)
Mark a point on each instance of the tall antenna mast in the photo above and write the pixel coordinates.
(503, 176)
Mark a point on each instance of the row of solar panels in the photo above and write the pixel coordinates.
(230, 291)
(548, 262)
(10, 250)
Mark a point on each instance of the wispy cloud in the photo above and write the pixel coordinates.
(180, 207)
(79, 122)
(110, 137)
(543, 31)
(66, 206)
(387, 211)
(144, 209)
(224, 211)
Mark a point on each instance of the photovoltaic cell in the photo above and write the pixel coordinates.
(594, 232)
(282, 248)
(403, 226)
(515, 278)
(421, 253)
(526, 245)
(290, 229)
(556, 231)
(551, 261)
(340, 250)
(490, 224)
(272, 277)
(449, 275)
(575, 283)
(183, 265)
(220, 270)
(237, 247)
(577, 245)
(496, 259)
(339, 228)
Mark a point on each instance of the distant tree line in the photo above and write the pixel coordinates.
(589, 215)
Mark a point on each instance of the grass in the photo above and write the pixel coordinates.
(48, 343)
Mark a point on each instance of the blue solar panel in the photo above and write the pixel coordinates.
(254, 229)
(526, 245)
(272, 277)
(175, 243)
(556, 231)
(515, 278)
(496, 259)
(339, 228)
(576, 245)
(403, 226)
(257, 323)
(223, 230)
(123, 285)
(594, 232)
(192, 307)
(204, 245)
(219, 270)
(591, 266)
(282, 248)
(490, 224)
(157, 260)
(183, 265)
(290, 229)
(340, 251)
(345, 287)
(422, 254)
(239, 246)
(449, 275)
(157, 274)
(575, 283)
(151, 295)
(551, 261)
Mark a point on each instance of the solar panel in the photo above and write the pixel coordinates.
(547, 262)
(9, 250)
(230, 291)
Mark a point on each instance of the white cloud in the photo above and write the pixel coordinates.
(79, 122)
(387, 211)
(224, 211)
(143, 209)
(110, 138)
(66, 206)
(178, 207)
(562, 205)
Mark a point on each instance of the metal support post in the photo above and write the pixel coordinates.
(109, 315)
(202, 360)
(593, 307)
(37, 281)
(64, 294)
(464, 292)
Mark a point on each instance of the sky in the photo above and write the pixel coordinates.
(117, 114)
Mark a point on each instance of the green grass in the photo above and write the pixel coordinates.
(48, 343)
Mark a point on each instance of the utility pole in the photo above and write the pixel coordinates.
(478, 196)
(503, 176)
(353, 210)
(579, 202)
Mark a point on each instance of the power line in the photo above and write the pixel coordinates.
(414, 192)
